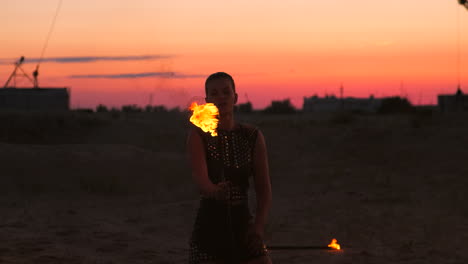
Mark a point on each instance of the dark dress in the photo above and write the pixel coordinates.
(220, 229)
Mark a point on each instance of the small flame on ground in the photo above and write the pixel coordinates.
(334, 244)
(204, 116)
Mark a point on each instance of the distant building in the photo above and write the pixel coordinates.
(35, 99)
(457, 102)
(332, 104)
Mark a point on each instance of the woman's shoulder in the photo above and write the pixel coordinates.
(249, 129)
(247, 126)
(195, 131)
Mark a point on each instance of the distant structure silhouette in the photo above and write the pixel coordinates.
(14, 74)
(32, 99)
(457, 102)
(331, 103)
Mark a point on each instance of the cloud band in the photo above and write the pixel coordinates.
(88, 59)
(172, 75)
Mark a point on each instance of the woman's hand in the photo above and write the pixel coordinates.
(218, 191)
(255, 239)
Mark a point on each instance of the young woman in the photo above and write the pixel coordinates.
(224, 230)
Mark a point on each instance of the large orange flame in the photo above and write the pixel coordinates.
(205, 117)
(334, 244)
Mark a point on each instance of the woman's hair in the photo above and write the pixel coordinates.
(220, 75)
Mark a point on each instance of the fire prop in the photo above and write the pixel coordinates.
(204, 116)
(332, 246)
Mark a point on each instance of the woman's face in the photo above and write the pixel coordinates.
(221, 93)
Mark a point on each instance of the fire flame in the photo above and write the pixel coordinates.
(204, 117)
(334, 244)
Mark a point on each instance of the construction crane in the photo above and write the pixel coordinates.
(14, 74)
(464, 3)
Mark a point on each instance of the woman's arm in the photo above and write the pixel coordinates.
(197, 159)
(262, 184)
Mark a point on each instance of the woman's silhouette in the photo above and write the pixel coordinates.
(224, 229)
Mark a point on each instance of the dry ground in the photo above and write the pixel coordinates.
(115, 188)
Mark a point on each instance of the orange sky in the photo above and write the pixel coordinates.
(274, 49)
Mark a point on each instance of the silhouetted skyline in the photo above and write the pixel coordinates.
(121, 53)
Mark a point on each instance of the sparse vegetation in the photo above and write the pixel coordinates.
(244, 108)
(393, 105)
(280, 107)
(102, 109)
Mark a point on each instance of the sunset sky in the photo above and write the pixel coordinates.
(123, 51)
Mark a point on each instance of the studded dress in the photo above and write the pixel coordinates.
(221, 227)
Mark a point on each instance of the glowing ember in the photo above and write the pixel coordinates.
(334, 244)
(205, 117)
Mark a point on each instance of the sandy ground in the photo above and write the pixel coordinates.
(390, 189)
